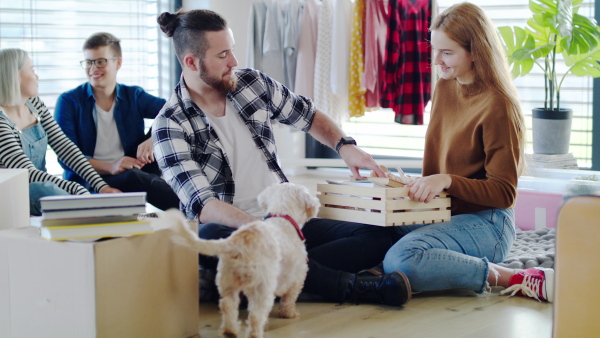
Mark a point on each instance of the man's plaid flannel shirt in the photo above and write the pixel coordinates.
(188, 150)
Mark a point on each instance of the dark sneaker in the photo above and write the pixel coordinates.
(208, 288)
(389, 289)
(377, 270)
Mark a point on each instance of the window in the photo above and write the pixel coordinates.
(53, 32)
(377, 133)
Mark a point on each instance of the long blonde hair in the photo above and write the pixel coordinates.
(469, 26)
(11, 61)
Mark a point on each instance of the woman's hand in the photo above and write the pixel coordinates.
(109, 190)
(424, 189)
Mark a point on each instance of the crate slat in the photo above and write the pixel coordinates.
(352, 202)
(379, 206)
(381, 192)
(382, 205)
(352, 216)
(422, 217)
(357, 191)
(383, 219)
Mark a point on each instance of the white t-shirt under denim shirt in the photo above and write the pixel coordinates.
(108, 142)
(249, 168)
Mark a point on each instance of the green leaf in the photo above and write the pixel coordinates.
(520, 48)
(541, 32)
(576, 4)
(584, 36)
(564, 17)
(543, 6)
(585, 64)
(526, 66)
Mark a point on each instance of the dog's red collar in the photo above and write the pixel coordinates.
(291, 220)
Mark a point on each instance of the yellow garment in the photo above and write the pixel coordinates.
(356, 95)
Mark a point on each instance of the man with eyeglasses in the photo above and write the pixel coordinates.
(106, 120)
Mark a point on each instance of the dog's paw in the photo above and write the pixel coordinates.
(288, 311)
(230, 332)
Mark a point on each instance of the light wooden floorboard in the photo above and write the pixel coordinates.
(452, 313)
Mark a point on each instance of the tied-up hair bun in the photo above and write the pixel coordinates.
(168, 23)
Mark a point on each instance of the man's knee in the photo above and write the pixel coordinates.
(214, 231)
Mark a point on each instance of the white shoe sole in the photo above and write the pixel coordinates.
(549, 283)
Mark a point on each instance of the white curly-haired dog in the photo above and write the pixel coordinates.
(263, 259)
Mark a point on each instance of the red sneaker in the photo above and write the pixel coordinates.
(536, 283)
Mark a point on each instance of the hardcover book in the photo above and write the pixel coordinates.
(39, 221)
(94, 212)
(90, 231)
(69, 202)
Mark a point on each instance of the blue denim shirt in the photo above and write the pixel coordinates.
(74, 113)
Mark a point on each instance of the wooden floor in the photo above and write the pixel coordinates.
(453, 313)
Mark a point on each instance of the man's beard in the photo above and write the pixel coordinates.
(222, 86)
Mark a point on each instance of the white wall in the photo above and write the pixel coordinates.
(290, 144)
(236, 13)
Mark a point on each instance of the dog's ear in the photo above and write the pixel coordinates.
(276, 197)
(263, 199)
(312, 205)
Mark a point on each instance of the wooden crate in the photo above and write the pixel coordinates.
(379, 206)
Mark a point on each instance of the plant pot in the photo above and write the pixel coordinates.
(551, 131)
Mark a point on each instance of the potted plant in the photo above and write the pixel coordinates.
(554, 29)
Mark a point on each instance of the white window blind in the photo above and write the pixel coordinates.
(53, 33)
(377, 132)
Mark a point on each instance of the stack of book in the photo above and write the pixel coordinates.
(558, 161)
(73, 217)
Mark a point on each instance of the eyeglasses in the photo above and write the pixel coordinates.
(100, 63)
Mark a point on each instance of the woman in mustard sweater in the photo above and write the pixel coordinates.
(474, 152)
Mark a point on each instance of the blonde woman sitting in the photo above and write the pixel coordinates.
(26, 129)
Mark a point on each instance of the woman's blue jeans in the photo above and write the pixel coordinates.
(452, 254)
(38, 190)
(34, 141)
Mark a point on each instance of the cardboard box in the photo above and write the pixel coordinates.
(379, 206)
(14, 198)
(140, 286)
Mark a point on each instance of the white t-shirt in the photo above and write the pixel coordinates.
(248, 165)
(108, 142)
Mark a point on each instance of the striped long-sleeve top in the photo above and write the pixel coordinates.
(12, 155)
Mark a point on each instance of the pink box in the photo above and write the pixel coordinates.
(537, 209)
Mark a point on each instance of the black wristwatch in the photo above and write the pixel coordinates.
(343, 141)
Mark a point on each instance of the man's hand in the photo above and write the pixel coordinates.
(424, 189)
(109, 190)
(357, 158)
(144, 152)
(216, 211)
(125, 163)
(326, 131)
